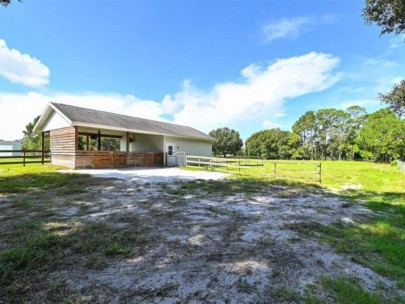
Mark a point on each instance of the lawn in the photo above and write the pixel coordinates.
(336, 175)
(28, 159)
(64, 228)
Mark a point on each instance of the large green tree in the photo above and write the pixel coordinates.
(31, 140)
(326, 133)
(306, 129)
(395, 98)
(6, 2)
(357, 117)
(387, 14)
(227, 142)
(269, 144)
(390, 16)
(382, 137)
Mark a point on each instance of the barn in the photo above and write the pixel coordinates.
(11, 146)
(87, 138)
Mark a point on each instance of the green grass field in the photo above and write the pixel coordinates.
(18, 160)
(335, 174)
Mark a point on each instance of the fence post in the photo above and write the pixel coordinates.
(24, 158)
(320, 173)
(239, 165)
(42, 146)
(401, 165)
(275, 169)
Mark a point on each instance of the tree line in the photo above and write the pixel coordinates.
(333, 134)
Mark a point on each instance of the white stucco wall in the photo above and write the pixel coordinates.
(123, 144)
(190, 146)
(147, 143)
(55, 122)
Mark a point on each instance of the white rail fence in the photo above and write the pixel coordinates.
(274, 169)
(401, 165)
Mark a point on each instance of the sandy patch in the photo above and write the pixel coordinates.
(151, 175)
(206, 247)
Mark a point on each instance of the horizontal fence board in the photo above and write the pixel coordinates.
(292, 163)
(25, 157)
(293, 176)
(275, 169)
(26, 151)
(27, 162)
(297, 170)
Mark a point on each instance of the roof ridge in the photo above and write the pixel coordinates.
(184, 126)
(84, 115)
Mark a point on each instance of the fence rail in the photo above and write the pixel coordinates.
(275, 169)
(401, 165)
(23, 157)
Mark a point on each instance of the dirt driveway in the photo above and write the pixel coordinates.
(189, 240)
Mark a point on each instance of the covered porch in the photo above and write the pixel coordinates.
(109, 148)
(84, 147)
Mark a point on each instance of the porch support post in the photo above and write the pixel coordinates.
(43, 146)
(87, 143)
(164, 151)
(76, 139)
(127, 148)
(98, 141)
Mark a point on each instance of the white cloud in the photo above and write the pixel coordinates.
(259, 96)
(280, 114)
(284, 28)
(268, 124)
(20, 109)
(22, 68)
(328, 19)
(359, 102)
(397, 42)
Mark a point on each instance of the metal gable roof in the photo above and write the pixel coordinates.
(85, 116)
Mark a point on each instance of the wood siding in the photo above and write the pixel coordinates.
(109, 159)
(63, 143)
(148, 159)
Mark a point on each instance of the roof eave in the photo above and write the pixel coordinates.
(43, 118)
(96, 126)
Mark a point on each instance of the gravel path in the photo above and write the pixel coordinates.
(151, 175)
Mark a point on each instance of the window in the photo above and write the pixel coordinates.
(170, 149)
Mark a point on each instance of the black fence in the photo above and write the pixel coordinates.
(23, 157)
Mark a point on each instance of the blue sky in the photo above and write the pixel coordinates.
(248, 65)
